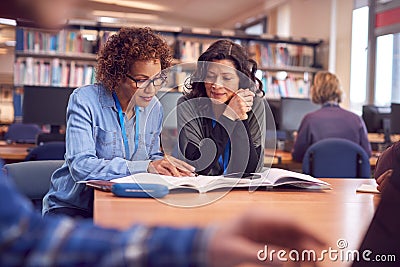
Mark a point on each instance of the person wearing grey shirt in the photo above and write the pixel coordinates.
(221, 119)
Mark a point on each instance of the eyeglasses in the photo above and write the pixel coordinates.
(157, 82)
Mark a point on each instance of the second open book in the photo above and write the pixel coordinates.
(269, 178)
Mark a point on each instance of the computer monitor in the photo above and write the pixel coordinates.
(376, 118)
(395, 118)
(168, 101)
(45, 105)
(292, 111)
(275, 106)
(169, 136)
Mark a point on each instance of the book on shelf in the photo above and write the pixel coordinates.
(188, 50)
(280, 54)
(52, 72)
(292, 86)
(271, 87)
(63, 41)
(270, 178)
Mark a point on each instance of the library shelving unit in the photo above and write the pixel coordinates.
(62, 58)
(66, 58)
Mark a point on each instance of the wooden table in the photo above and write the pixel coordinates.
(14, 152)
(335, 214)
(283, 159)
(380, 137)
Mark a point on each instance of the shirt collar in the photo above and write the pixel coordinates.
(107, 100)
(330, 104)
(105, 97)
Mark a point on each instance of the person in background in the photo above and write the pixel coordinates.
(386, 163)
(105, 138)
(221, 105)
(28, 239)
(330, 121)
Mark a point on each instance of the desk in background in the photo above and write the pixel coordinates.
(14, 152)
(380, 137)
(332, 214)
(282, 159)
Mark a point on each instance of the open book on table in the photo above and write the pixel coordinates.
(270, 178)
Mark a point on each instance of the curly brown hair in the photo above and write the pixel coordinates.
(122, 49)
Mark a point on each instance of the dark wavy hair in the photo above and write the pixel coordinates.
(224, 49)
(122, 49)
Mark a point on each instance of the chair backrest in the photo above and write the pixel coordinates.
(336, 157)
(22, 132)
(47, 151)
(49, 137)
(32, 178)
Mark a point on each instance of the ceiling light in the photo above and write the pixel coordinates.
(135, 16)
(10, 43)
(10, 22)
(134, 4)
(107, 20)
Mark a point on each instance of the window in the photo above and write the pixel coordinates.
(383, 71)
(387, 60)
(358, 69)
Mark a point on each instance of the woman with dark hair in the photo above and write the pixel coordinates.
(113, 126)
(221, 119)
(330, 120)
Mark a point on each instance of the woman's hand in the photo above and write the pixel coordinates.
(242, 240)
(382, 179)
(171, 166)
(239, 105)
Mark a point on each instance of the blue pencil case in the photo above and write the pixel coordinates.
(139, 190)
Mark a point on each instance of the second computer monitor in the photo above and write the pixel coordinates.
(292, 112)
(46, 105)
(169, 102)
(376, 118)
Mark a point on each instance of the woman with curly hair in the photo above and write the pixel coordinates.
(113, 126)
(330, 120)
(221, 120)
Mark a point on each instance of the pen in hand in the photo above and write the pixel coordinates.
(184, 171)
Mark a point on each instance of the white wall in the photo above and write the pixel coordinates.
(283, 21)
(311, 19)
(343, 46)
(7, 61)
(7, 67)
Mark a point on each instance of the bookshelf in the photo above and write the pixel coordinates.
(67, 57)
(296, 58)
(63, 58)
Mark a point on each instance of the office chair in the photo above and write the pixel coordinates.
(32, 178)
(22, 133)
(47, 151)
(336, 158)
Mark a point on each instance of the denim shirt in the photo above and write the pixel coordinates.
(95, 147)
(27, 239)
